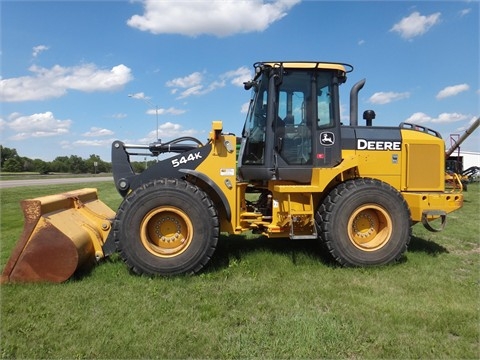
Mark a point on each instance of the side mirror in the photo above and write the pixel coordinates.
(249, 84)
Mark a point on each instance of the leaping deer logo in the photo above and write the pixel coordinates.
(327, 138)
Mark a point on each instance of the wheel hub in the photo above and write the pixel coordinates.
(364, 225)
(166, 232)
(370, 227)
(168, 229)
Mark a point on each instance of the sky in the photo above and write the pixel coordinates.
(77, 75)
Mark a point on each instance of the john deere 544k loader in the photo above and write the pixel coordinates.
(298, 173)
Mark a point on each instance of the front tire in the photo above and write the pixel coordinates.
(364, 222)
(166, 227)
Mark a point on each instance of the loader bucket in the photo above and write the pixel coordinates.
(62, 233)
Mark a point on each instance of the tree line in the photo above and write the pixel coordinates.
(11, 161)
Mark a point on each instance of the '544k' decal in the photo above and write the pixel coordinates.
(186, 159)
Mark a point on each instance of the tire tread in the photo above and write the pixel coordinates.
(180, 185)
(324, 215)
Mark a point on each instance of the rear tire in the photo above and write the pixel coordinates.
(364, 222)
(166, 227)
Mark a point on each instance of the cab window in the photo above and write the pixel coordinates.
(324, 106)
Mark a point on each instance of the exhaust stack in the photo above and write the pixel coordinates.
(354, 102)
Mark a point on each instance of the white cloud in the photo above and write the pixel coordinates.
(38, 49)
(450, 117)
(139, 96)
(118, 116)
(37, 125)
(452, 91)
(415, 24)
(199, 90)
(214, 85)
(187, 81)
(470, 123)
(422, 118)
(169, 111)
(464, 12)
(64, 144)
(344, 113)
(89, 143)
(3, 124)
(381, 98)
(55, 82)
(218, 18)
(158, 110)
(245, 108)
(168, 131)
(419, 118)
(239, 76)
(195, 90)
(95, 131)
(193, 84)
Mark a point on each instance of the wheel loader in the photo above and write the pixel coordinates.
(296, 172)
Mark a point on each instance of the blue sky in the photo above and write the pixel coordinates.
(68, 67)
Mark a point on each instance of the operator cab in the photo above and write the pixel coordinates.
(293, 123)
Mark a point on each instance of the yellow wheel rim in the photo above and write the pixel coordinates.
(166, 232)
(370, 227)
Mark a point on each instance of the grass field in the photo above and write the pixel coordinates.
(257, 299)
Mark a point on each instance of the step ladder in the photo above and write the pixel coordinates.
(303, 214)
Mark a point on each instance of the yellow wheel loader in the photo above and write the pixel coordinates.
(296, 172)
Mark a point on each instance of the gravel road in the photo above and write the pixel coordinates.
(36, 182)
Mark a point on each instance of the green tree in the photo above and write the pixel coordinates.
(42, 167)
(141, 166)
(138, 166)
(60, 164)
(77, 165)
(6, 154)
(102, 166)
(27, 164)
(13, 165)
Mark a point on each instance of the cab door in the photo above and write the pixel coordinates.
(327, 150)
(307, 126)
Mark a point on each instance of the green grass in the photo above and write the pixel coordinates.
(260, 298)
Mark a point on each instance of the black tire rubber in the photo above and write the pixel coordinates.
(191, 208)
(356, 209)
